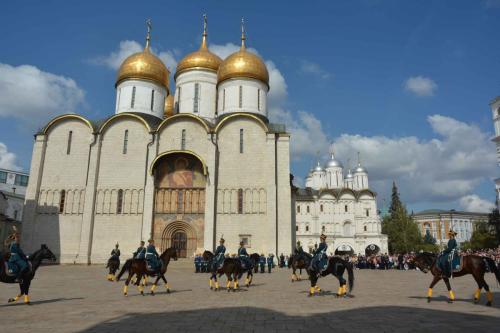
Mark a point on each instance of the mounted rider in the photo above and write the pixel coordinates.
(246, 263)
(320, 259)
(152, 257)
(140, 253)
(219, 254)
(298, 249)
(18, 261)
(447, 255)
(115, 253)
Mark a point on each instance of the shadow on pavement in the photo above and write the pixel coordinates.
(496, 297)
(46, 301)
(245, 319)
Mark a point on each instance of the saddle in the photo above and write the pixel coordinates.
(456, 262)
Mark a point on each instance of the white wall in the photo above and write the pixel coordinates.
(207, 93)
(143, 97)
(229, 94)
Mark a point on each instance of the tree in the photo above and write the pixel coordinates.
(482, 238)
(494, 220)
(395, 201)
(402, 232)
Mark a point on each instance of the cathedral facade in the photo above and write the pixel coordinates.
(184, 167)
(341, 206)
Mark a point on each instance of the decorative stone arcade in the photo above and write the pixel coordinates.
(179, 209)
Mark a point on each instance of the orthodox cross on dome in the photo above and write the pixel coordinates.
(204, 24)
(349, 165)
(148, 36)
(243, 33)
(332, 151)
(359, 159)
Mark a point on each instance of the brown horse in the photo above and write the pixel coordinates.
(113, 266)
(138, 267)
(34, 260)
(471, 264)
(336, 267)
(233, 270)
(299, 261)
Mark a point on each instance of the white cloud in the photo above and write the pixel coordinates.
(473, 203)
(129, 47)
(29, 94)
(445, 168)
(308, 67)
(420, 86)
(8, 159)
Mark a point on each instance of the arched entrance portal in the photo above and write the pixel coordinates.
(181, 236)
(179, 208)
(344, 249)
(372, 249)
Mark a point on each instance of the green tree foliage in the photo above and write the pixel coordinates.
(494, 220)
(482, 238)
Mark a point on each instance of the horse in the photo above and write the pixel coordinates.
(139, 267)
(113, 266)
(299, 261)
(34, 261)
(336, 267)
(232, 268)
(471, 264)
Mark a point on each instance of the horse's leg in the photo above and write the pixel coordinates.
(228, 283)
(300, 274)
(294, 276)
(247, 280)
(489, 295)
(313, 279)
(127, 282)
(448, 286)
(15, 299)
(480, 283)
(26, 290)
(166, 283)
(433, 283)
(153, 287)
(235, 281)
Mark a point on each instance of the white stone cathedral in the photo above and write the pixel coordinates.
(184, 167)
(342, 207)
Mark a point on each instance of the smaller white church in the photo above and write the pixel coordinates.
(341, 206)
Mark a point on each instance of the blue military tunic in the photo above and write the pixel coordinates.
(444, 259)
(245, 258)
(219, 255)
(320, 259)
(152, 257)
(140, 253)
(17, 258)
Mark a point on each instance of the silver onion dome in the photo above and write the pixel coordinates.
(333, 163)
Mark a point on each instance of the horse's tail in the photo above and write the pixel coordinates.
(350, 275)
(125, 267)
(493, 267)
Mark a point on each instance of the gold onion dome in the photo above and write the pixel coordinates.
(144, 66)
(200, 59)
(243, 64)
(169, 106)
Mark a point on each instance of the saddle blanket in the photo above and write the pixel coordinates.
(456, 263)
(10, 269)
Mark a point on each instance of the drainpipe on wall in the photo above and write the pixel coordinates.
(150, 143)
(216, 184)
(276, 136)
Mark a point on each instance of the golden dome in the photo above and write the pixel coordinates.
(202, 58)
(243, 64)
(169, 106)
(144, 65)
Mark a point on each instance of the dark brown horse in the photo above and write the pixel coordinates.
(232, 268)
(34, 260)
(299, 261)
(336, 267)
(471, 264)
(138, 267)
(113, 266)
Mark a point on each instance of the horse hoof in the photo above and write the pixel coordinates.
(228, 290)
(476, 301)
(125, 294)
(247, 285)
(211, 288)
(428, 299)
(450, 301)
(310, 295)
(168, 291)
(488, 304)
(11, 300)
(152, 293)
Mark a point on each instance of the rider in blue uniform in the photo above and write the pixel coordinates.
(320, 259)
(444, 259)
(197, 263)
(262, 263)
(140, 253)
(298, 248)
(219, 253)
(244, 257)
(17, 257)
(152, 257)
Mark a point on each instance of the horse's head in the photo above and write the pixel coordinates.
(255, 257)
(171, 253)
(207, 255)
(423, 261)
(46, 253)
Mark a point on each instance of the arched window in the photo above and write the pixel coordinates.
(183, 139)
(241, 141)
(307, 208)
(346, 208)
(223, 99)
(240, 201)
(367, 212)
(119, 202)
(240, 99)
(321, 208)
(68, 148)
(298, 209)
(364, 228)
(125, 142)
(178, 100)
(62, 200)
(307, 228)
(152, 99)
(323, 228)
(196, 97)
(296, 228)
(258, 99)
(132, 102)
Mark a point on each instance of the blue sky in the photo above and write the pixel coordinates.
(406, 83)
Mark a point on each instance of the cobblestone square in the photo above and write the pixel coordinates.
(79, 299)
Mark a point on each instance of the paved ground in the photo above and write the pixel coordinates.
(79, 299)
